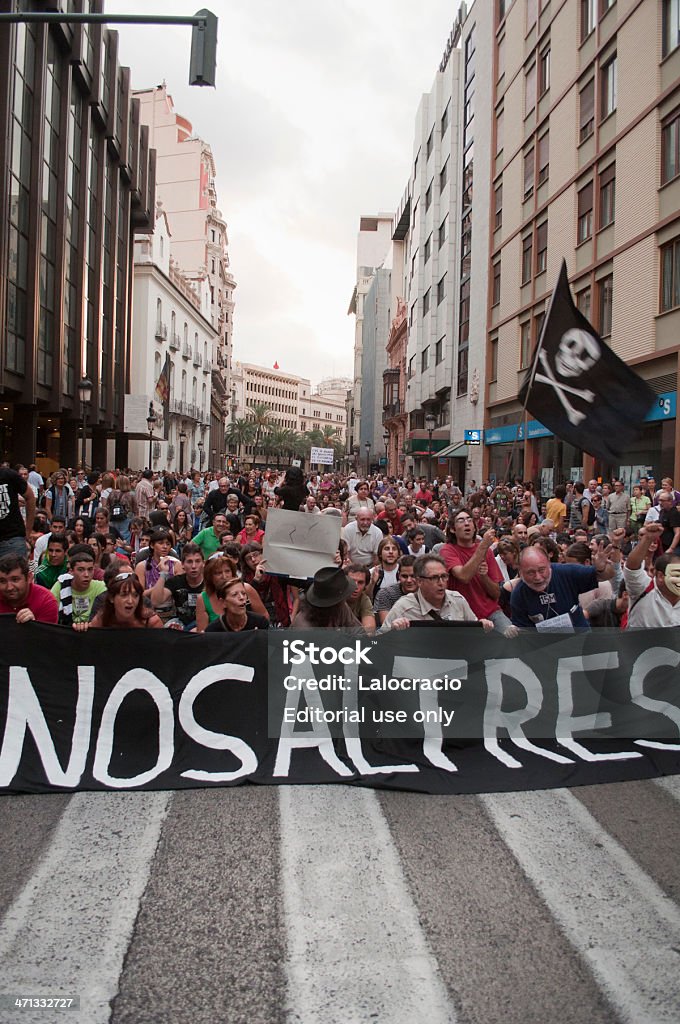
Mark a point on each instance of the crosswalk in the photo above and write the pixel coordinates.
(344, 905)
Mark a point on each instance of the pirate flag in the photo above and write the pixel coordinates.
(578, 388)
(162, 392)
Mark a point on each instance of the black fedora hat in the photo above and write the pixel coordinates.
(330, 586)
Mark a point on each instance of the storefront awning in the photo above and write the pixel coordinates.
(458, 450)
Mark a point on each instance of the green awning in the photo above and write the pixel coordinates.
(458, 450)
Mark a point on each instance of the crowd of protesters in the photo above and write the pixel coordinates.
(152, 550)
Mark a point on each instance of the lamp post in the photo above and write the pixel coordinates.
(182, 438)
(151, 423)
(85, 394)
(355, 452)
(367, 446)
(430, 424)
(200, 456)
(386, 439)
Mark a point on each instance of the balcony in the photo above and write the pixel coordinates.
(175, 342)
(198, 359)
(186, 350)
(392, 410)
(161, 332)
(207, 366)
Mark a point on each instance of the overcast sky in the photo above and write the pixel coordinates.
(311, 126)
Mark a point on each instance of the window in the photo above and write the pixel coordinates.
(500, 65)
(670, 275)
(414, 260)
(583, 302)
(670, 26)
(587, 17)
(607, 195)
(526, 259)
(428, 197)
(539, 320)
(543, 157)
(426, 302)
(445, 118)
(444, 176)
(606, 293)
(524, 344)
(586, 121)
(430, 144)
(412, 315)
(541, 247)
(544, 72)
(442, 231)
(496, 292)
(411, 366)
(427, 252)
(670, 147)
(585, 213)
(498, 206)
(608, 88)
(499, 131)
(441, 289)
(493, 360)
(530, 89)
(532, 12)
(528, 172)
(439, 352)
(425, 359)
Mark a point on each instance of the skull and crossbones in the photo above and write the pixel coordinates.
(577, 353)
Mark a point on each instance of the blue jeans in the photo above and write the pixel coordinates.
(14, 546)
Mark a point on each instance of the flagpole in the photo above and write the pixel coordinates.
(533, 370)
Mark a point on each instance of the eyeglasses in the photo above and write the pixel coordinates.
(442, 576)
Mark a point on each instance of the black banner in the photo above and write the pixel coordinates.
(432, 710)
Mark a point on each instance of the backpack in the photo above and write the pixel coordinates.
(117, 509)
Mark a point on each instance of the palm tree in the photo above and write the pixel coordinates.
(259, 416)
(281, 441)
(237, 434)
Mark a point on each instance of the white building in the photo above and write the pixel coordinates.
(171, 316)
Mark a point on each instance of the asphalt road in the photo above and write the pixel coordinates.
(339, 905)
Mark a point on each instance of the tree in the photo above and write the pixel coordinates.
(259, 416)
(237, 434)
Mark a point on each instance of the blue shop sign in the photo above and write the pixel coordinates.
(664, 408)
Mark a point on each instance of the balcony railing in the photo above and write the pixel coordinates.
(392, 410)
(186, 350)
(198, 359)
(161, 332)
(175, 342)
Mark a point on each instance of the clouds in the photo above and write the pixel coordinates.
(311, 126)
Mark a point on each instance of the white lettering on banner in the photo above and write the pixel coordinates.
(350, 703)
(206, 737)
(24, 711)
(567, 723)
(434, 740)
(318, 736)
(495, 718)
(655, 657)
(135, 679)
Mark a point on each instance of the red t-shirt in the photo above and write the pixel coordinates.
(395, 519)
(476, 596)
(41, 601)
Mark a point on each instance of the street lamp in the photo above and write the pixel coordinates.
(386, 439)
(355, 452)
(200, 455)
(182, 439)
(84, 394)
(151, 421)
(430, 424)
(367, 446)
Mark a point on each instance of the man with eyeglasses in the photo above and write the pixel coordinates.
(432, 601)
(547, 596)
(473, 570)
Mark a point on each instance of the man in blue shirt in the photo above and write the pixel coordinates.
(547, 595)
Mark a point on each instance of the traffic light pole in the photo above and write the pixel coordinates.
(203, 37)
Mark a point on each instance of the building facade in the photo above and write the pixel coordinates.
(587, 168)
(80, 180)
(186, 185)
(171, 327)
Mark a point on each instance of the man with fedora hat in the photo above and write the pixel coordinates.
(325, 602)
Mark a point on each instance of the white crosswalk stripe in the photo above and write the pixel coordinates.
(349, 933)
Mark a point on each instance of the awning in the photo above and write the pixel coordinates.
(458, 450)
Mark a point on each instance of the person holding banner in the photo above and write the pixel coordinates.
(657, 602)
(547, 596)
(124, 606)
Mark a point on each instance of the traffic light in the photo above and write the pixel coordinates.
(203, 49)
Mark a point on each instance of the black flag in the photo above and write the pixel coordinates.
(578, 388)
